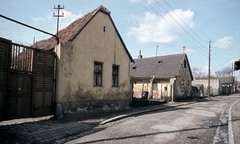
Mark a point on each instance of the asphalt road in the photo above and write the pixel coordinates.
(202, 122)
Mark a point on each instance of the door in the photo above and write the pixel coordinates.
(19, 97)
(43, 83)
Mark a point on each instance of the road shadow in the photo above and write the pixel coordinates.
(152, 134)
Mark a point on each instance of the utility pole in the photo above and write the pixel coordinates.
(209, 60)
(58, 15)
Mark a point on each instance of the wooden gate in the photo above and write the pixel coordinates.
(28, 90)
(4, 71)
(43, 83)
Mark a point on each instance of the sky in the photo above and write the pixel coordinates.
(156, 27)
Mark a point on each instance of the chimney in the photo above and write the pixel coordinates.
(140, 56)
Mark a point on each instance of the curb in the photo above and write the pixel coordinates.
(230, 127)
(141, 112)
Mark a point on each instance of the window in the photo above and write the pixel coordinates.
(185, 63)
(154, 86)
(115, 75)
(97, 78)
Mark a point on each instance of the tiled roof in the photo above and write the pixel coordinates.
(160, 66)
(226, 80)
(70, 31)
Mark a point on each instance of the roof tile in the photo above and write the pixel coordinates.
(70, 31)
(160, 66)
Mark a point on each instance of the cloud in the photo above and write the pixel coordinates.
(162, 29)
(224, 43)
(68, 18)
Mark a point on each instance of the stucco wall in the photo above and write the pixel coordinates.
(162, 89)
(76, 64)
(183, 83)
(214, 85)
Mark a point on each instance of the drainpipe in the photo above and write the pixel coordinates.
(172, 83)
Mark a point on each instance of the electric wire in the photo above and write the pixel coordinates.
(213, 58)
(205, 35)
(178, 29)
(170, 24)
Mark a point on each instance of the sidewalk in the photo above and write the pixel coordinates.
(72, 126)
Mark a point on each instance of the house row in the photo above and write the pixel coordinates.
(94, 69)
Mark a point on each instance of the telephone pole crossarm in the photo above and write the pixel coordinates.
(58, 15)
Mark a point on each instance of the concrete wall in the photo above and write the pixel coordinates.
(215, 87)
(76, 67)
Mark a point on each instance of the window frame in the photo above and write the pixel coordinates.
(185, 63)
(97, 74)
(115, 76)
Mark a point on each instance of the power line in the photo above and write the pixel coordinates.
(178, 24)
(178, 28)
(217, 59)
(183, 21)
(169, 23)
(50, 6)
(205, 35)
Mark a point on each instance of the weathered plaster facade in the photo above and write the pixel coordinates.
(158, 90)
(215, 86)
(98, 41)
(183, 85)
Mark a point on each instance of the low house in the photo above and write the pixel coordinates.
(93, 64)
(227, 85)
(166, 77)
(215, 88)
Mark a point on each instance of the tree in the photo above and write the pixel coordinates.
(198, 73)
(226, 71)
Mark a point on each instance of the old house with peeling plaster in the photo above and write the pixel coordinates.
(162, 77)
(228, 85)
(93, 64)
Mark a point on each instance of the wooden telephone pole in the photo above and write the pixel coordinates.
(209, 62)
(58, 15)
